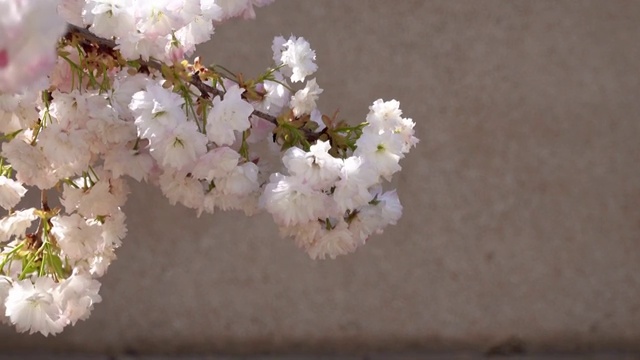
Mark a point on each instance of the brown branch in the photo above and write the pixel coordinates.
(44, 203)
(90, 37)
(206, 90)
(269, 118)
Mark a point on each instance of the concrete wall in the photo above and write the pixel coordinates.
(522, 202)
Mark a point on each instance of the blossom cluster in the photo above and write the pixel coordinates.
(332, 205)
(107, 94)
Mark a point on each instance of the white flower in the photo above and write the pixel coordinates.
(103, 198)
(209, 202)
(77, 239)
(71, 11)
(99, 263)
(364, 223)
(198, 28)
(297, 56)
(5, 285)
(125, 161)
(70, 110)
(292, 202)
(31, 306)
(30, 164)
(386, 210)
(276, 95)
(196, 32)
(157, 110)
(381, 150)
(304, 100)
(136, 45)
(114, 230)
(156, 18)
(241, 181)
(123, 88)
(17, 111)
(303, 234)
(276, 47)
(106, 128)
(390, 207)
(16, 224)
(244, 8)
(228, 115)
(261, 130)
(11, 192)
(179, 147)
(29, 31)
(384, 115)
(178, 187)
(352, 190)
(405, 129)
(76, 296)
(248, 204)
(216, 163)
(317, 168)
(109, 18)
(67, 149)
(211, 10)
(337, 241)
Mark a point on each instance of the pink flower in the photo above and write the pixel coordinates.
(29, 31)
(4, 58)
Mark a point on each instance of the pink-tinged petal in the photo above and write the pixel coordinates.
(29, 32)
(4, 58)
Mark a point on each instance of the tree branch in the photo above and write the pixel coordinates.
(206, 90)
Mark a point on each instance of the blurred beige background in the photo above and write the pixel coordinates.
(522, 201)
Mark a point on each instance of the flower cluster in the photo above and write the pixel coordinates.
(166, 30)
(331, 205)
(110, 96)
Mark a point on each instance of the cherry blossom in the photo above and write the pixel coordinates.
(95, 94)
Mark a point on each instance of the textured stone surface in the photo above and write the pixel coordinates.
(522, 221)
